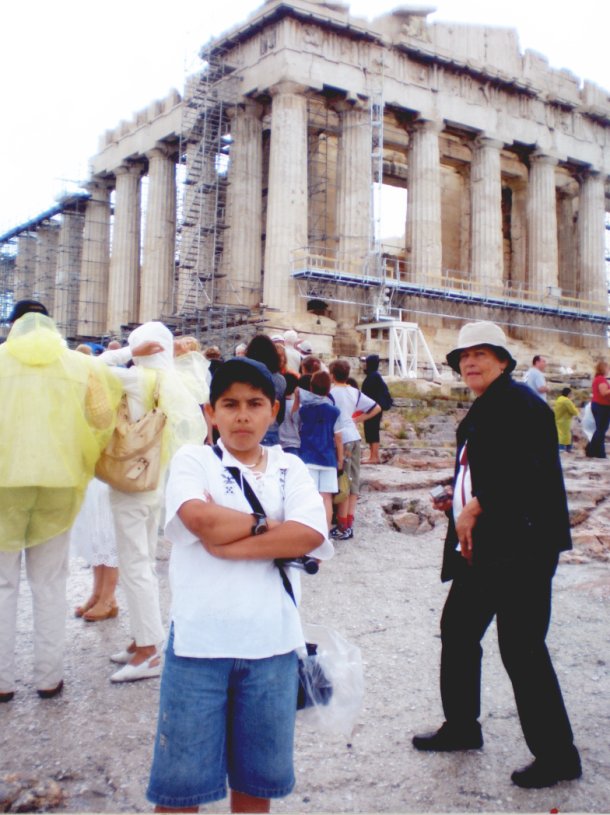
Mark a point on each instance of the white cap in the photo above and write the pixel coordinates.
(305, 347)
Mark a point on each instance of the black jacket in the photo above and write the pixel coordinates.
(516, 475)
(374, 385)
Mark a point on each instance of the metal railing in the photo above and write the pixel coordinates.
(397, 276)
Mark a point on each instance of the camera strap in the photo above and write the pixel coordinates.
(257, 507)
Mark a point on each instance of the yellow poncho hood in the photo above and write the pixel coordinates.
(34, 340)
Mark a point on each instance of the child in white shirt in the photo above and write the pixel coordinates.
(228, 693)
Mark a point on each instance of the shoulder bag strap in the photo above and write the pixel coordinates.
(242, 483)
(256, 506)
(157, 390)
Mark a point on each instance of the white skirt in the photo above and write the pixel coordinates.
(92, 536)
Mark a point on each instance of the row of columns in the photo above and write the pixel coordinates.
(286, 226)
(424, 218)
(115, 288)
(90, 288)
(287, 198)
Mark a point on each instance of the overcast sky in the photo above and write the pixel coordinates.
(71, 69)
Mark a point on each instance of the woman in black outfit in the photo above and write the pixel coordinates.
(374, 387)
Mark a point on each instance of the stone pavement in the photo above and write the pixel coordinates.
(89, 750)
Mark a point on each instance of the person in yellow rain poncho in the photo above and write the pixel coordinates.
(564, 410)
(58, 412)
(136, 515)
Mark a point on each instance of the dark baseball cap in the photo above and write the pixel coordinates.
(26, 307)
(241, 369)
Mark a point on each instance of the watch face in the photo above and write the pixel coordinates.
(260, 525)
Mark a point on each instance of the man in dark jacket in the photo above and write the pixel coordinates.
(508, 521)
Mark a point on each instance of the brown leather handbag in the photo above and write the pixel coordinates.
(131, 461)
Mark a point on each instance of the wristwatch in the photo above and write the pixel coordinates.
(260, 524)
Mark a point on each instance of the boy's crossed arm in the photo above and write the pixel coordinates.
(227, 533)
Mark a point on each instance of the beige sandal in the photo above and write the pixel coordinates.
(101, 611)
(80, 610)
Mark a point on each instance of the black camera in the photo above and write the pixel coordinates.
(439, 493)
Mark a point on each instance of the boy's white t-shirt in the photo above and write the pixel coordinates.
(236, 608)
(348, 400)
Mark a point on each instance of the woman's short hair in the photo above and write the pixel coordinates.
(311, 364)
(601, 369)
(320, 383)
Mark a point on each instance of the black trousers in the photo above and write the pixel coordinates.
(596, 448)
(519, 595)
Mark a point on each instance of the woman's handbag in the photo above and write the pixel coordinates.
(342, 493)
(131, 461)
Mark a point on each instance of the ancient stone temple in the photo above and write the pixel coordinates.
(261, 187)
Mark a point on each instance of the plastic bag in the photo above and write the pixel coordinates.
(341, 663)
(315, 688)
(587, 421)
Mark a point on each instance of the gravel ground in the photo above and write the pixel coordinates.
(89, 750)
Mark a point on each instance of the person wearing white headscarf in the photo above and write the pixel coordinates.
(293, 356)
(136, 515)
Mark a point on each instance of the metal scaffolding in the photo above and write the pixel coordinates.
(41, 259)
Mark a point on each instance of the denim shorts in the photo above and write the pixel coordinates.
(224, 719)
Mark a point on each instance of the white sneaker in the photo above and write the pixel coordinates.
(130, 673)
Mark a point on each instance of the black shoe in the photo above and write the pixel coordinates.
(6, 697)
(547, 773)
(49, 694)
(448, 738)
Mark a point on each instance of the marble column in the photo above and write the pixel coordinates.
(424, 244)
(125, 257)
(567, 243)
(486, 216)
(354, 189)
(69, 252)
(542, 254)
(243, 247)
(158, 264)
(518, 238)
(25, 267)
(591, 241)
(93, 294)
(322, 198)
(46, 264)
(286, 228)
(354, 198)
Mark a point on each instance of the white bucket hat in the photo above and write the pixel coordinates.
(481, 333)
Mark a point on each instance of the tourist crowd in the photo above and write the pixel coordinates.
(266, 441)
